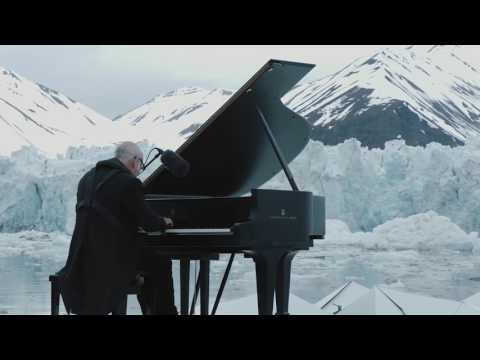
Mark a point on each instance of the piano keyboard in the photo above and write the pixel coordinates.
(191, 232)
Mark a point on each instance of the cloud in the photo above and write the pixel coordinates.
(226, 65)
(113, 79)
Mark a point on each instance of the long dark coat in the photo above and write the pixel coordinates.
(104, 253)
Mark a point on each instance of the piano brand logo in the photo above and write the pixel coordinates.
(283, 216)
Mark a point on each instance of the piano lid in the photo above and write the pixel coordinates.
(230, 154)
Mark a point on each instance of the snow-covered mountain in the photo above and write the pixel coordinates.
(418, 93)
(33, 115)
(421, 94)
(169, 119)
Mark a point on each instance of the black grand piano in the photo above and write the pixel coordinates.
(218, 209)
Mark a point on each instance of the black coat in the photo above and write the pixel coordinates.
(104, 253)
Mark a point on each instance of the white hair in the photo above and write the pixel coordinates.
(127, 150)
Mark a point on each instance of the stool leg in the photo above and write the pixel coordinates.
(121, 307)
(204, 286)
(184, 285)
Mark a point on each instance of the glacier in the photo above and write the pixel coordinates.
(404, 216)
(363, 188)
(38, 192)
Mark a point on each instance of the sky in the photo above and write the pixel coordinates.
(114, 79)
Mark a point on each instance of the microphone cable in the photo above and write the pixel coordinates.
(148, 157)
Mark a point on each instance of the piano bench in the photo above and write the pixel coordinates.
(55, 297)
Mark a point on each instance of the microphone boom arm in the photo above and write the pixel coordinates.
(159, 152)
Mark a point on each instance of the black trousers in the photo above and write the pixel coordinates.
(156, 296)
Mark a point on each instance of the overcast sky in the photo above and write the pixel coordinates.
(115, 79)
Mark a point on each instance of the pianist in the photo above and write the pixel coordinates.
(104, 255)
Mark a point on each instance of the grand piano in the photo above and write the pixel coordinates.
(218, 207)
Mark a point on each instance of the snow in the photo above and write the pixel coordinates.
(420, 232)
(372, 303)
(420, 78)
(366, 188)
(38, 192)
(384, 301)
(342, 297)
(415, 304)
(165, 119)
(369, 259)
(32, 114)
(406, 217)
(393, 217)
(473, 300)
(36, 245)
(398, 235)
(248, 306)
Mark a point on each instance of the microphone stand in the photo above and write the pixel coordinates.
(159, 152)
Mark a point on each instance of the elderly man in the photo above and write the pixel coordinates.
(104, 255)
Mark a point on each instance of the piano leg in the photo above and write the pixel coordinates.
(55, 296)
(266, 266)
(184, 285)
(204, 286)
(282, 293)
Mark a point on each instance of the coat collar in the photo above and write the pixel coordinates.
(113, 163)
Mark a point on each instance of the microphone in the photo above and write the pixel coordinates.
(173, 162)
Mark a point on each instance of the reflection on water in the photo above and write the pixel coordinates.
(442, 273)
(25, 289)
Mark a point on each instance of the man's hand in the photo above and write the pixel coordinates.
(168, 222)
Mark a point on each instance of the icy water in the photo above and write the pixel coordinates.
(24, 286)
